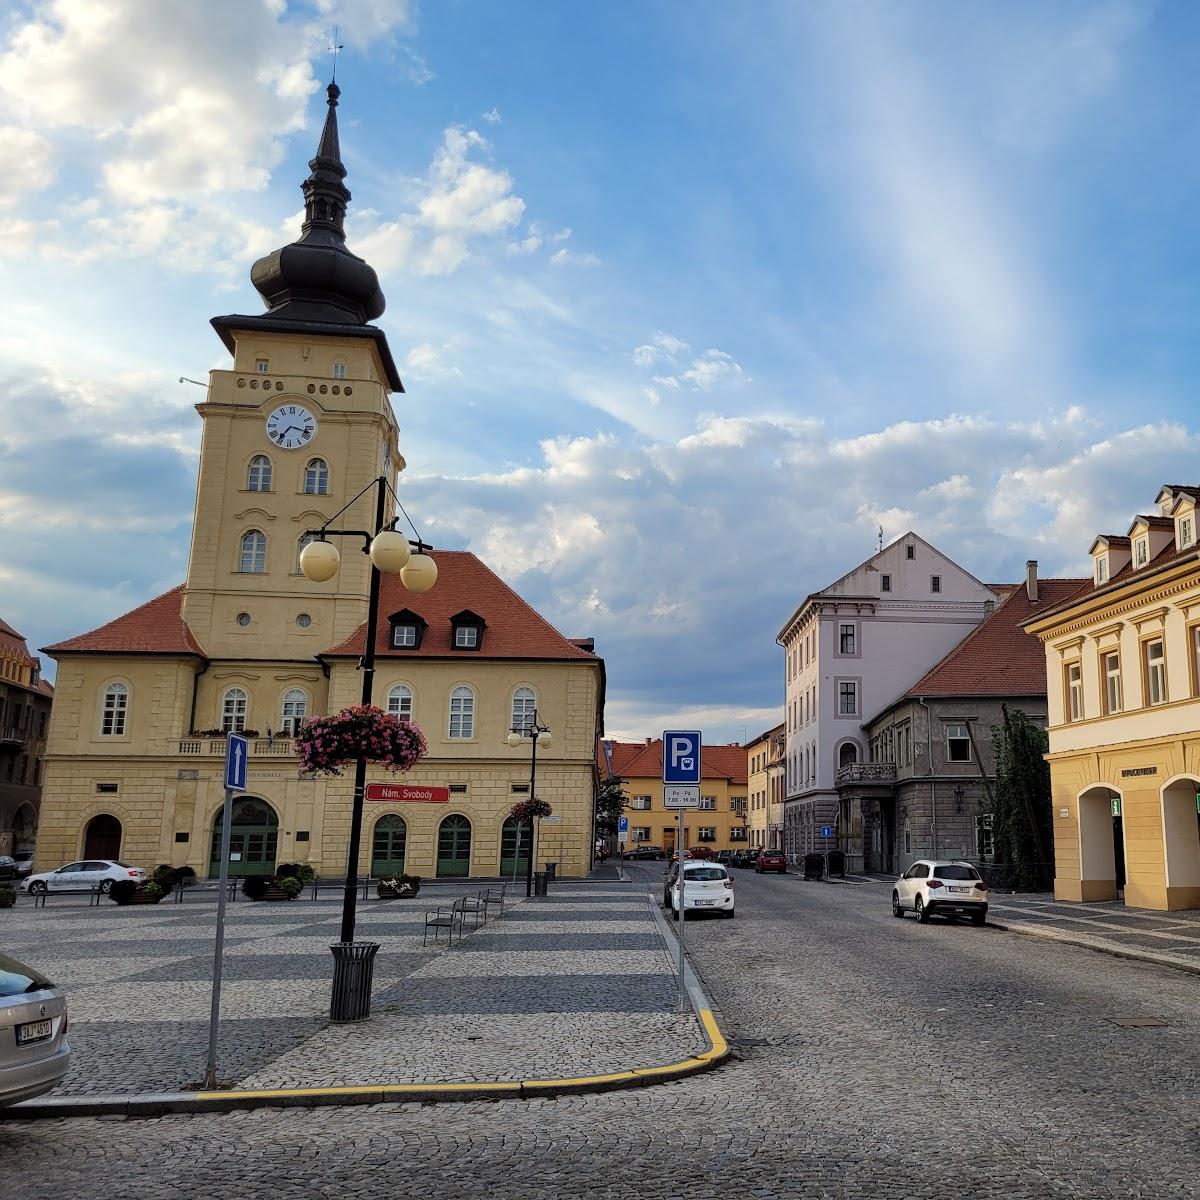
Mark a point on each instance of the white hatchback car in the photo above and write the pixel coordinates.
(707, 887)
(82, 876)
(954, 889)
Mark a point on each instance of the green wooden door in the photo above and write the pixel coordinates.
(514, 859)
(253, 835)
(387, 846)
(454, 847)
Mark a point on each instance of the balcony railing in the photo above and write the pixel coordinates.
(859, 773)
(279, 747)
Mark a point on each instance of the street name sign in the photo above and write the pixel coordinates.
(237, 755)
(551, 819)
(681, 756)
(681, 795)
(404, 793)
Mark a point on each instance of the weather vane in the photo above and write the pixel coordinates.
(334, 47)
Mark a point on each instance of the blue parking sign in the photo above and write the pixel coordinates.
(681, 756)
(237, 753)
(622, 824)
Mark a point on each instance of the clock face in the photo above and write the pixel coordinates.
(291, 426)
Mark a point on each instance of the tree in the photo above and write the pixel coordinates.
(1022, 823)
(610, 804)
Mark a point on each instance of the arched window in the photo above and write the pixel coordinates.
(462, 712)
(454, 846)
(233, 711)
(259, 479)
(388, 842)
(295, 709)
(316, 478)
(102, 837)
(524, 702)
(304, 541)
(253, 559)
(847, 754)
(400, 701)
(116, 709)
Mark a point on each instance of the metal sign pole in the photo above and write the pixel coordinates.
(210, 1072)
(682, 913)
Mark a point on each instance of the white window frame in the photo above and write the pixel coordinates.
(965, 736)
(1141, 552)
(641, 803)
(1074, 680)
(305, 539)
(1156, 671)
(259, 474)
(1186, 532)
(400, 701)
(461, 725)
(708, 803)
(522, 707)
(252, 553)
(338, 370)
(1112, 680)
(294, 711)
(404, 637)
(316, 478)
(114, 709)
(1101, 569)
(235, 707)
(706, 833)
(262, 366)
(466, 637)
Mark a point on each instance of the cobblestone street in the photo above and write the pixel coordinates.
(878, 1058)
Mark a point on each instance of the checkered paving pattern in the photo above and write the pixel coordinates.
(577, 983)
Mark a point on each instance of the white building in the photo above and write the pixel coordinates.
(849, 651)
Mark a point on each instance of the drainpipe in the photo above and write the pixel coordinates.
(195, 689)
(929, 767)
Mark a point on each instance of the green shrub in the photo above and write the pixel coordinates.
(122, 890)
(300, 871)
(290, 886)
(254, 886)
(164, 877)
(152, 889)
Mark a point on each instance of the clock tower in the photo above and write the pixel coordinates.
(293, 430)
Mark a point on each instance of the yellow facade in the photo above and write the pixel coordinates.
(1124, 728)
(764, 768)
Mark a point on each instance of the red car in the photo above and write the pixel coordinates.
(699, 852)
(770, 860)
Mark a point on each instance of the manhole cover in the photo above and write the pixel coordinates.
(1138, 1022)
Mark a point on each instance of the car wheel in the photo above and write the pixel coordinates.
(729, 914)
(38, 887)
(921, 911)
(897, 911)
(978, 918)
(106, 886)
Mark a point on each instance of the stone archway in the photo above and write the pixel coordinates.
(389, 843)
(24, 826)
(1181, 841)
(253, 837)
(1100, 832)
(102, 837)
(454, 846)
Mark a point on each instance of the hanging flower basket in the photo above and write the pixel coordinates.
(326, 743)
(526, 810)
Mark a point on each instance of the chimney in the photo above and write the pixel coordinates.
(1031, 580)
(649, 740)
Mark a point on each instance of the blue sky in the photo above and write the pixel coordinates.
(689, 299)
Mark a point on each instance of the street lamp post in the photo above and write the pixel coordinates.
(538, 735)
(392, 552)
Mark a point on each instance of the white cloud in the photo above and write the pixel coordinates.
(492, 116)
(428, 363)
(29, 160)
(567, 258)
(711, 367)
(525, 245)
(662, 346)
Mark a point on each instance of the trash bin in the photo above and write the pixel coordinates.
(353, 970)
(835, 863)
(539, 883)
(551, 867)
(814, 866)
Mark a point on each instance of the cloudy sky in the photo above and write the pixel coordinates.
(689, 298)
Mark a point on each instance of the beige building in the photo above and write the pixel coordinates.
(298, 424)
(765, 762)
(1123, 674)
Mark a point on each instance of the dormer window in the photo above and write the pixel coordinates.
(1141, 552)
(407, 628)
(1101, 570)
(1186, 534)
(466, 630)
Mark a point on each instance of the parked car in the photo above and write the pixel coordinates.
(705, 852)
(725, 857)
(953, 889)
(8, 867)
(770, 860)
(82, 876)
(746, 857)
(24, 860)
(34, 1054)
(707, 887)
(645, 850)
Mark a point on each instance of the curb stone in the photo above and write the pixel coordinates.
(1115, 951)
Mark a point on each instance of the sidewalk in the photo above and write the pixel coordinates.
(578, 984)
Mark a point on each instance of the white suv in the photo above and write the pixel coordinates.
(954, 889)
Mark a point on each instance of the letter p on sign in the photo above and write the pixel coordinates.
(681, 757)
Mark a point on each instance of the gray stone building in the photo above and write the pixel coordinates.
(924, 790)
(25, 701)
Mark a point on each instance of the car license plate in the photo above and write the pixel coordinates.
(954, 889)
(706, 902)
(34, 1031)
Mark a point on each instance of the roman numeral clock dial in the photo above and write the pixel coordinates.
(291, 426)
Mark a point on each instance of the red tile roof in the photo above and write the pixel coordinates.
(513, 629)
(14, 643)
(641, 760)
(998, 658)
(156, 627)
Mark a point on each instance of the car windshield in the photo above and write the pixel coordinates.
(955, 871)
(706, 873)
(16, 979)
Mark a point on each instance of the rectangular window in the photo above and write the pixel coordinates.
(519, 789)
(641, 833)
(907, 839)
(262, 365)
(640, 803)
(1141, 551)
(846, 638)
(848, 698)
(958, 743)
(1194, 633)
(1156, 673)
(339, 370)
(1185, 532)
(462, 714)
(404, 635)
(1101, 570)
(458, 789)
(708, 803)
(466, 637)
(706, 833)
(1074, 692)
(910, 552)
(885, 583)
(1112, 682)
(108, 789)
(935, 583)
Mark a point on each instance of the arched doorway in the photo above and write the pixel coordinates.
(1101, 844)
(847, 754)
(388, 843)
(514, 858)
(24, 827)
(102, 837)
(1181, 837)
(253, 834)
(454, 846)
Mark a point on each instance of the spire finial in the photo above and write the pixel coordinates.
(334, 47)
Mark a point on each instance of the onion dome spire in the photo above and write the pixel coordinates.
(317, 278)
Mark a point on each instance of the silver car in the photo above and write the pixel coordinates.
(34, 1055)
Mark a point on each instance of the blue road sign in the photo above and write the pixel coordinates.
(681, 756)
(827, 831)
(237, 753)
(622, 824)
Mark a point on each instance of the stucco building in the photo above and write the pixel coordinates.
(849, 650)
(720, 823)
(299, 424)
(925, 789)
(25, 704)
(764, 767)
(1122, 659)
